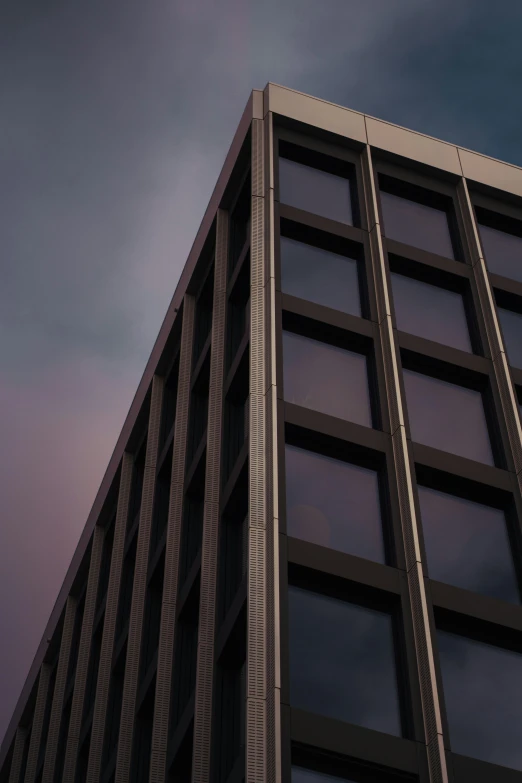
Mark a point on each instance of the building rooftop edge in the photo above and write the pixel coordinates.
(392, 124)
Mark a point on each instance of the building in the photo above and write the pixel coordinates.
(305, 556)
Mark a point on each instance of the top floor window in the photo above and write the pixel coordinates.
(316, 183)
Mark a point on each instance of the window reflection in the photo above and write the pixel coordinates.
(301, 775)
(326, 378)
(448, 417)
(342, 661)
(418, 308)
(416, 224)
(320, 276)
(467, 545)
(315, 191)
(503, 252)
(334, 504)
(511, 323)
(483, 695)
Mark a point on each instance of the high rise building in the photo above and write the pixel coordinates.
(305, 556)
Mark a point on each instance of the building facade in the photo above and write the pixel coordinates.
(304, 562)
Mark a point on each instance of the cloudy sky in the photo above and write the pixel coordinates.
(115, 119)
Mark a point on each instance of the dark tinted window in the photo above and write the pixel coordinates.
(320, 276)
(483, 695)
(342, 661)
(416, 224)
(326, 378)
(467, 545)
(447, 417)
(333, 503)
(315, 191)
(511, 324)
(503, 252)
(301, 775)
(418, 308)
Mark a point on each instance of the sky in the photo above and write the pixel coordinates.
(116, 116)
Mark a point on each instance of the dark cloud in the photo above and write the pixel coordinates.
(116, 117)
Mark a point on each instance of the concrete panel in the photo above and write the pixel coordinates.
(491, 172)
(313, 111)
(257, 104)
(423, 149)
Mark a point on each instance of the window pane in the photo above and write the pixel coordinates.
(416, 224)
(511, 324)
(418, 308)
(503, 252)
(448, 417)
(315, 191)
(483, 695)
(326, 378)
(467, 545)
(320, 276)
(342, 661)
(301, 775)
(333, 504)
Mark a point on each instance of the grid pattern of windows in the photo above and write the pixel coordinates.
(323, 476)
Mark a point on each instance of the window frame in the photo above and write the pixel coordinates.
(458, 279)
(386, 592)
(340, 329)
(354, 342)
(496, 212)
(335, 243)
(472, 372)
(423, 189)
(500, 495)
(317, 154)
(506, 634)
(506, 300)
(348, 769)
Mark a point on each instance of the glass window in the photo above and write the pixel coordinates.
(342, 661)
(416, 224)
(448, 417)
(418, 308)
(483, 695)
(333, 504)
(467, 545)
(320, 276)
(315, 191)
(503, 252)
(326, 378)
(511, 323)
(301, 775)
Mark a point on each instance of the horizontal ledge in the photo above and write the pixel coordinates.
(326, 315)
(320, 223)
(466, 769)
(334, 428)
(462, 467)
(355, 742)
(411, 253)
(343, 565)
(444, 353)
(480, 607)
